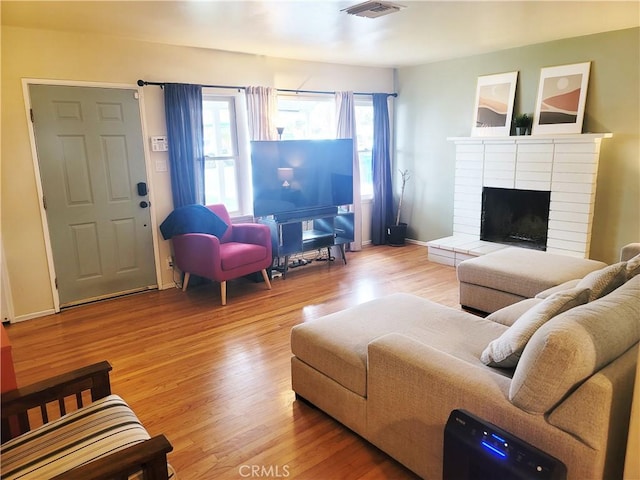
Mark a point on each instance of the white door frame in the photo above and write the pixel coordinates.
(36, 169)
(6, 299)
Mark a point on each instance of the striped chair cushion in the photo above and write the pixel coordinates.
(99, 429)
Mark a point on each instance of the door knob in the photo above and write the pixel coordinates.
(144, 204)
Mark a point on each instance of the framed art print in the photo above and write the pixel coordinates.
(562, 94)
(495, 95)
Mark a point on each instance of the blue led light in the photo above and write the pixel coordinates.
(500, 439)
(494, 450)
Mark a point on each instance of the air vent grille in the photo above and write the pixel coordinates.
(372, 9)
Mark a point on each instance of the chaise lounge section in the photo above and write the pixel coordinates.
(498, 279)
(557, 372)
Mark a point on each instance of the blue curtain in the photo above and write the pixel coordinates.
(382, 207)
(183, 110)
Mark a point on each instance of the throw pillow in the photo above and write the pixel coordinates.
(633, 267)
(605, 280)
(509, 314)
(505, 351)
(558, 288)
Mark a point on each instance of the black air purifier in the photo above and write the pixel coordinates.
(477, 450)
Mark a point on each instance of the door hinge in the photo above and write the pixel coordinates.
(55, 281)
(44, 202)
(31, 114)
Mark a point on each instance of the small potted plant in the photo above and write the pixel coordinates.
(522, 123)
(397, 233)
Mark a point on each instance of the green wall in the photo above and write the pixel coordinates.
(436, 101)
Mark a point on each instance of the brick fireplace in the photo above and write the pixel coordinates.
(565, 166)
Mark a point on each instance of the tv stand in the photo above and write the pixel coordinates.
(305, 214)
(329, 228)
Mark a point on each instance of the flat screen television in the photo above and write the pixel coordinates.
(299, 177)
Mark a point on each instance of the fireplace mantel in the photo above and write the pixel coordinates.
(565, 165)
(564, 138)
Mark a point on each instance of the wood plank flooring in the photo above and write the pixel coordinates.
(216, 380)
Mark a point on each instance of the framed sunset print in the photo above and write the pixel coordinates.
(495, 95)
(562, 94)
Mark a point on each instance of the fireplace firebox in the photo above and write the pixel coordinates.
(515, 217)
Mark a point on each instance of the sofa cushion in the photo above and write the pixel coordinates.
(605, 280)
(523, 271)
(505, 351)
(236, 255)
(336, 345)
(572, 346)
(99, 429)
(508, 315)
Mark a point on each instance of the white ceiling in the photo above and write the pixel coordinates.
(316, 30)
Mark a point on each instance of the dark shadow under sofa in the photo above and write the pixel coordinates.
(394, 368)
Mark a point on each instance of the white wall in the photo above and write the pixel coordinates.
(40, 54)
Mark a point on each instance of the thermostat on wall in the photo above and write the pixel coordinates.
(159, 144)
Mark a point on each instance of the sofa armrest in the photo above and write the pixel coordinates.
(149, 456)
(15, 404)
(197, 253)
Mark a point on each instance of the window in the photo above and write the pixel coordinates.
(313, 117)
(364, 131)
(226, 161)
(226, 140)
(306, 118)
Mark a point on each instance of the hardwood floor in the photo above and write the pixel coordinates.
(216, 380)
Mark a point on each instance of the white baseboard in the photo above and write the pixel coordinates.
(416, 242)
(31, 316)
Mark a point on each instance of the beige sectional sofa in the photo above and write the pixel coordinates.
(394, 368)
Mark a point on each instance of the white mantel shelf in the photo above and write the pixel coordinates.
(566, 165)
(564, 138)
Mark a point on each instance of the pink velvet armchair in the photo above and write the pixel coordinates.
(244, 248)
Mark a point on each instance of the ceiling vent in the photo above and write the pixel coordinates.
(373, 9)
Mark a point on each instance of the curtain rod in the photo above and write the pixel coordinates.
(142, 83)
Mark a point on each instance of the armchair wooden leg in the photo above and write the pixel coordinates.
(265, 275)
(185, 282)
(223, 292)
